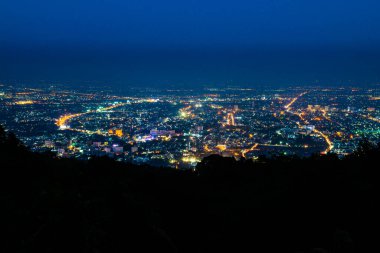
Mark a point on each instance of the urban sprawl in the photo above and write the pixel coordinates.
(177, 128)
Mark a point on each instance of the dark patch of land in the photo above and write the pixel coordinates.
(282, 204)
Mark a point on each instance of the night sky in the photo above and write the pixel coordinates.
(190, 43)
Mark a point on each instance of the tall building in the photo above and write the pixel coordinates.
(230, 119)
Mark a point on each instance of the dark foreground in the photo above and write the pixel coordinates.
(320, 204)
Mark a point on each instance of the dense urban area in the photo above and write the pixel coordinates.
(177, 128)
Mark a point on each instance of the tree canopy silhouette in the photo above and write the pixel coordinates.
(284, 204)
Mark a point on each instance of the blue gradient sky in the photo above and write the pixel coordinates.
(194, 42)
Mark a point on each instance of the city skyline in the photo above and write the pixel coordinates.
(178, 128)
(177, 81)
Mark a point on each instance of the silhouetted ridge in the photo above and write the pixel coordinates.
(284, 204)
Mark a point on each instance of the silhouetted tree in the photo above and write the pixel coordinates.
(215, 165)
(288, 204)
(366, 150)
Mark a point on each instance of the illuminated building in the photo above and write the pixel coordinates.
(116, 132)
(230, 119)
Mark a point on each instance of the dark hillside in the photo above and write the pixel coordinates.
(285, 204)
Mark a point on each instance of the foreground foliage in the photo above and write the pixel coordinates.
(284, 204)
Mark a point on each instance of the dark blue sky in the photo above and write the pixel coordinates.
(190, 42)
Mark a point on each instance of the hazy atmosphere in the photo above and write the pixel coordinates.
(191, 43)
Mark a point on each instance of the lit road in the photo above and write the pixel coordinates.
(330, 144)
(371, 118)
(327, 139)
(288, 106)
(245, 151)
(63, 120)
